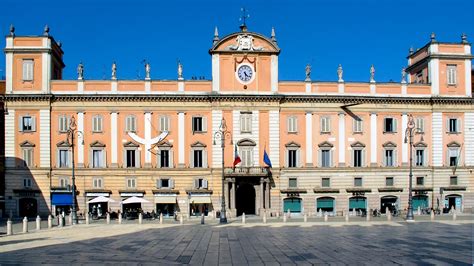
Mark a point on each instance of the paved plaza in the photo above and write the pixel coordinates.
(357, 242)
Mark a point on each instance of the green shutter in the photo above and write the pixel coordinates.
(420, 201)
(325, 203)
(357, 203)
(292, 204)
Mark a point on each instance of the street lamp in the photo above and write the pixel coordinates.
(409, 133)
(71, 132)
(222, 133)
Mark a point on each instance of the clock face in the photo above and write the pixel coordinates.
(245, 73)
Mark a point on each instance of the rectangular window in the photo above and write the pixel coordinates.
(131, 182)
(453, 180)
(27, 123)
(451, 74)
(357, 181)
(420, 180)
(200, 183)
(27, 182)
(453, 125)
(98, 158)
(357, 125)
(292, 160)
(246, 122)
(165, 158)
(197, 158)
(97, 123)
(357, 158)
(97, 182)
(247, 157)
(325, 124)
(389, 159)
(131, 158)
(28, 69)
(63, 123)
(130, 124)
(292, 124)
(197, 124)
(164, 123)
(64, 182)
(325, 182)
(325, 158)
(292, 183)
(390, 125)
(420, 124)
(27, 157)
(164, 183)
(420, 157)
(389, 181)
(63, 158)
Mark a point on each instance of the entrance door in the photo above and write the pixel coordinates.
(388, 201)
(28, 207)
(454, 201)
(245, 199)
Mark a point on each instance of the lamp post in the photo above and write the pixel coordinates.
(221, 134)
(409, 133)
(71, 132)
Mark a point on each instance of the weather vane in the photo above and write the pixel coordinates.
(244, 16)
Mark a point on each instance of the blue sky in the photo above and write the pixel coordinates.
(323, 33)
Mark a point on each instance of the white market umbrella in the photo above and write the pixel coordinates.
(100, 199)
(135, 199)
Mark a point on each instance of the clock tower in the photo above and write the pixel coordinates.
(246, 62)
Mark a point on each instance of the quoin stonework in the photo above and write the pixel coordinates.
(335, 146)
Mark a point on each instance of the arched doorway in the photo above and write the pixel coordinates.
(389, 202)
(325, 204)
(292, 204)
(245, 200)
(28, 207)
(453, 200)
(419, 201)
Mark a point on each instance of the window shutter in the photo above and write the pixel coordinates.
(448, 151)
(204, 183)
(395, 158)
(286, 157)
(196, 183)
(57, 158)
(124, 158)
(331, 156)
(104, 158)
(458, 125)
(158, 183)
(33, 123)
(425, 157)
(298, 158)
(158, 158)
(171, 183)
(137, 158)
(320, 160)
(69, 156)
(20, 123)
(204, 124)
(384, 157)
(193, 122)
(91, 158)
(352, 157)
(295, 125)
(191, 159)
(171, 159)
(204, 158)
(363, 157)
(447, 125)
(288, 126)
(160, 123)
(395, 125)
(25, 70)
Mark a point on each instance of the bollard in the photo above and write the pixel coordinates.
(389, 215)
(387, 211)
(38, 223)
(432, 215)
(454, 216)
(284, 218)
(368, 215)
(107, 218)
(161, 218)
(278, 215)
(69, 218)
(120, 218)
(419, 210)
(347, 217)
(243, 217)
(181, 219)
(305, 218)
(25, 225)
(50, 221)
(87, 219)
(264, 217)
(325, 217)
(140, 218)
(289, 214)
(9, 227)
(202, 218)
(60, 220)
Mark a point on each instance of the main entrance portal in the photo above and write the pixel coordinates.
(245, 199)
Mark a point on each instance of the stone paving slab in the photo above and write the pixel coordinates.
(296, 243)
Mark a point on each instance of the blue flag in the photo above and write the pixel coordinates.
(266, 159)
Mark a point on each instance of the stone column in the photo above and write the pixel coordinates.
(262, 196)
(267, 194)
(232, 195)
(226, 193)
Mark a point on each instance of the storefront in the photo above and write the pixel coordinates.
(358, 204)
(292, 204)
(28, 201)
(453, 201)
(419, 201)
(98, 203)
(325, 204)
(62, 202)
(165, 204)
(199, 204)
(132, 204)
(390, 202)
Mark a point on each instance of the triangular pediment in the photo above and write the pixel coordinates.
(358, 144)
(389, 144)
(26, 144)
(63, 144)
(292, 144)
(131, 144)
(97, 144)
(325, 144)
(198, 144)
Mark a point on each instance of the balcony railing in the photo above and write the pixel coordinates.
(246, 171)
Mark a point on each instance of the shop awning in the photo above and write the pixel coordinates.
(101, 199)
(165, 199)
(135, 200)
(200, 200)
(61, 199)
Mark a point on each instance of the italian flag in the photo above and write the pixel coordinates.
(236, 157)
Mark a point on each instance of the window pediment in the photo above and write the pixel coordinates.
(292, 145)
(358, 144)
(246, 142)
(453, 144)
(97, 144)
(198, 144)
(420, 145)
(325, 144)
(164, 144)
(63, 144)
(389, 144)
(131, 144)
(26, 144)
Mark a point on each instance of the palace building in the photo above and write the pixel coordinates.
(152, 145)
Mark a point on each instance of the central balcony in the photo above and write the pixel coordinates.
(246, 171)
